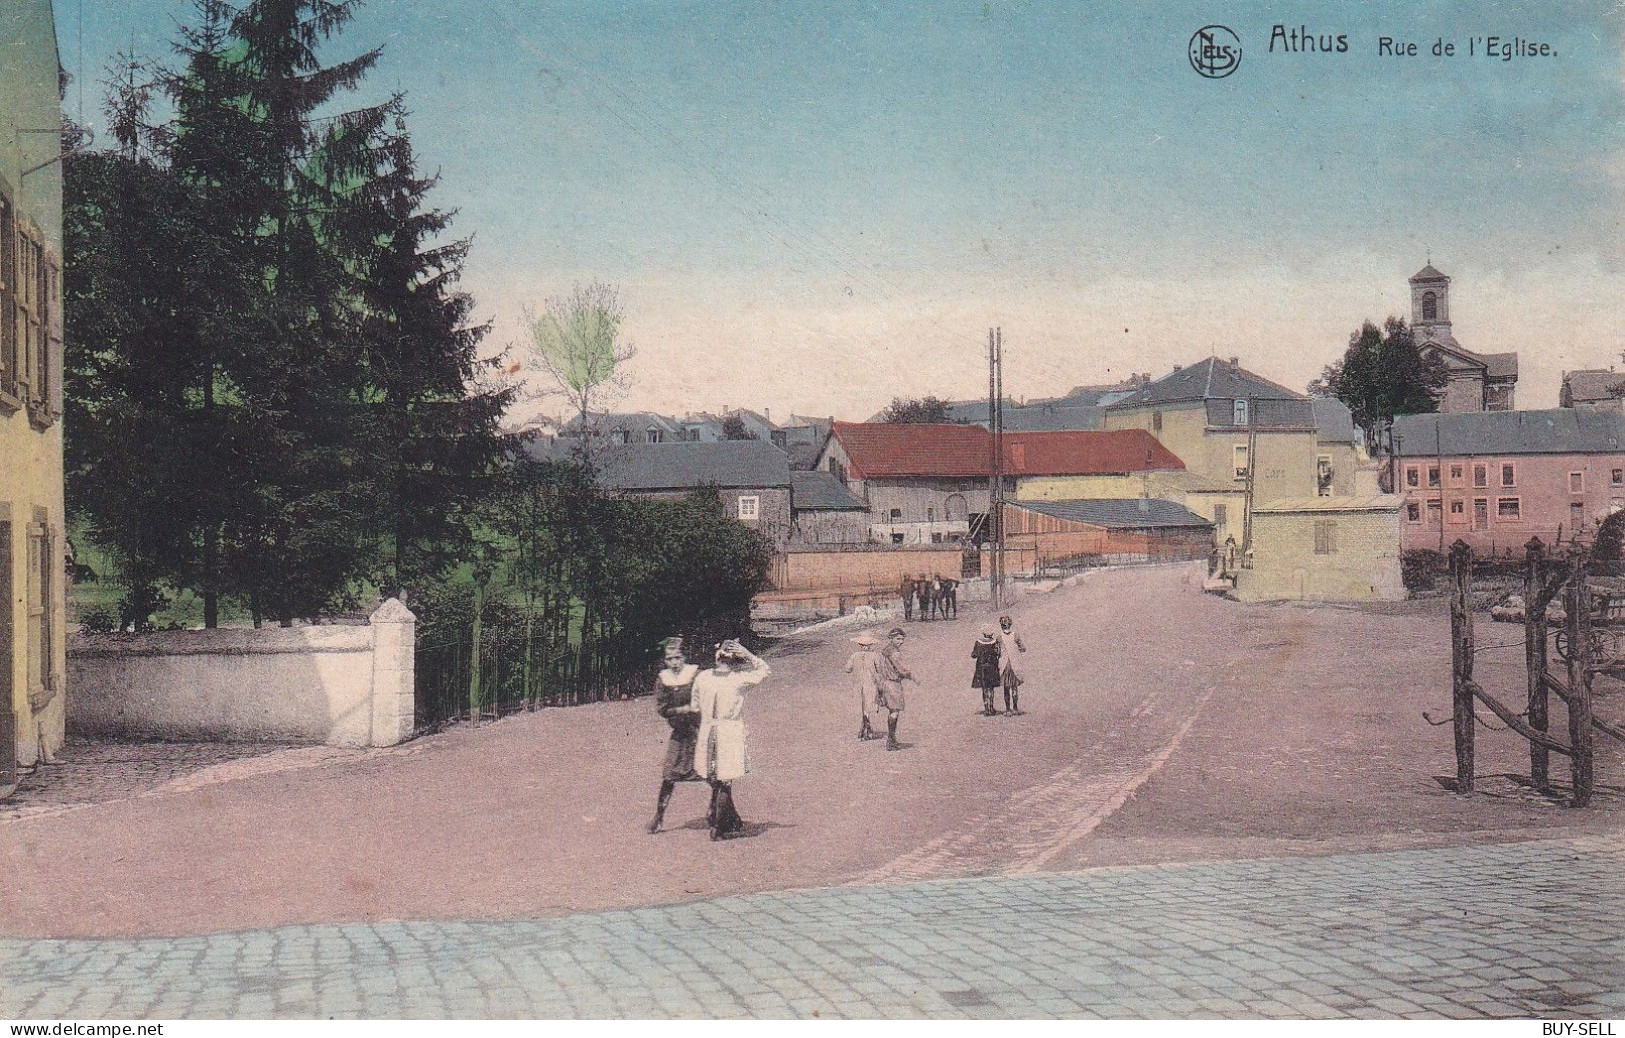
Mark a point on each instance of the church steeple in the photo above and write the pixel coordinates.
(1430, 305)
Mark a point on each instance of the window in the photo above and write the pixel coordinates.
(930, 514)
(1455, 473)
(1325, 537)
(1458, 511)
(1435, 515)
(1220, 516)
(1156, 421)
(29, 299)
(1481, 475)
(621, 436)
(1413, 476)
(897, 538)
(40, 574)
(1433, 475)
(1509, 475)
(1240, 458)
(1577, 482)
(9, 356)
(1618, 478)
(1323, 475)
(896, 515)
(1239, 416)
(1413, 512)
(750, 508)
(1430, 306)
(1481, 513)
(936, 538)
(1577, 516)
(654, 435)
(1509, 508)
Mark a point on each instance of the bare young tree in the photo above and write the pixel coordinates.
(577, 341)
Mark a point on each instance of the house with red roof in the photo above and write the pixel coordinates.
(929, 483)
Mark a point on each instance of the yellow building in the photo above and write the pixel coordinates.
(32, 602)
(1211, 414)
(1333, 549)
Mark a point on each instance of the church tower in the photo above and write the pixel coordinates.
(1430, 306)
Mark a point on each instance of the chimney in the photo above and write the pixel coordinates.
(1179, 367)
(1235, 362)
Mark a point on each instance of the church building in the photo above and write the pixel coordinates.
(1478, 381)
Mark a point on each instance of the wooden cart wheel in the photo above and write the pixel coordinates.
(1561, 644)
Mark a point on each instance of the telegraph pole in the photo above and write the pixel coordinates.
(995, 488)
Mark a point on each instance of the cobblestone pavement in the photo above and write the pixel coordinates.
(92, 772)
(1518, 929)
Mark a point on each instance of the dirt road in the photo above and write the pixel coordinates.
(1162, 725)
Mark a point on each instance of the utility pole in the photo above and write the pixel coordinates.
(995, 483)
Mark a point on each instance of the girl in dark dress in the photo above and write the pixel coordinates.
(674, 701)
(986, 676)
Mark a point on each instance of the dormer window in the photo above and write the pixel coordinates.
(623, 436)
(1239, 416)
(654, 435)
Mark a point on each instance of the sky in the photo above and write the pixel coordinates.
(815, 207)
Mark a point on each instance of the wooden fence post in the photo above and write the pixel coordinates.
(1461, 660)
(1534, 651)
(1581, 655)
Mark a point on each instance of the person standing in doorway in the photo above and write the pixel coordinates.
(674, 689)
(719, 695)
(986, 675)
(1009, 645)
(889, 677)
(863, 664)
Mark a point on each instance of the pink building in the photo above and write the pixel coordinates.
(1497, 478)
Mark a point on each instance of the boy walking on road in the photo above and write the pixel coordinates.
(889, 676)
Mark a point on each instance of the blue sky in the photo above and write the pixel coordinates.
(818, 205)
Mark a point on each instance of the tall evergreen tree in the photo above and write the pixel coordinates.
(433, 417)
(123, 314)
(259, 282)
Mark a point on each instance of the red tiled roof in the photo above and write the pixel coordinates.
(1085, 453)
(879, 450)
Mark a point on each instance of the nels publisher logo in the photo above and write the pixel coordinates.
(1214, 51)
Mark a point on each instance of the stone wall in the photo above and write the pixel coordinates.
(343, 685)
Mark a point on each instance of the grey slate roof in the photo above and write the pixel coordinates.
(1122, 514)
(1496, 365)
(821, 492)
(1429, 273)
(682, 465)
(1334, 423)
(804, 456)
(1560, 430)
(1594, 384)
(1211, 379)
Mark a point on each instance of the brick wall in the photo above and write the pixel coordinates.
(859, 569)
